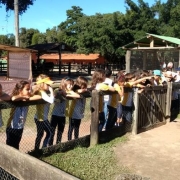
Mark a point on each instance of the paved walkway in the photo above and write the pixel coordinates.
(154, 153)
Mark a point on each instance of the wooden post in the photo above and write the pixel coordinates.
(8, 65)
(16, 15)
(179, 57)
(69, 69)
(94, 134)
(156, 65)
(168, 101)
(1, 66)
(59, 62)
(151, 42)
(128, 60)
(89, 68)
(107, 65)
(135, 114)
(144, 59)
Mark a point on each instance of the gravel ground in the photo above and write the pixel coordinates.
(154, 154)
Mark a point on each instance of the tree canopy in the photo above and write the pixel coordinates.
(23, 5)
(106, 33)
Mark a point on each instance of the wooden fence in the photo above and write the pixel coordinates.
(68, 69)
(152, 108)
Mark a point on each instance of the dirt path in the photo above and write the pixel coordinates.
(154, 153)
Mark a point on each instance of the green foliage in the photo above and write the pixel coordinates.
(8, 39)
(38, 38)
(52, 35)
(95, 34)
(168, 15)
(107, 33)
(70, 27)
(26, 36)
(98, 162)
(141, 18)
(23, 5)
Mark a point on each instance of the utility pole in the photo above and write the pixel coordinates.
(16, 15)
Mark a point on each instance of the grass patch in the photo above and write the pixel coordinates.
(98, 162)
(178, 116)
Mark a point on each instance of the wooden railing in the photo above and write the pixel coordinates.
(152, 108)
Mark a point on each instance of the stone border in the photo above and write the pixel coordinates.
(23, 166)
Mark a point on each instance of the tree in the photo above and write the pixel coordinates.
(52, 35)
(6, 39)
(26, 36)
(174, 22)
(70, 27)
(168, 15)
(39, 38)
(19, 7)
(101, 33)
(140, 18)
(23, 5)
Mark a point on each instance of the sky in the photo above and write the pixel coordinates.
(51, 13)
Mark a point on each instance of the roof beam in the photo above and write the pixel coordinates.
(164, 41)
(143, 44)
(153, 48)
(151, 42)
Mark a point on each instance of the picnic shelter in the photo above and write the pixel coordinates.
(151, 52)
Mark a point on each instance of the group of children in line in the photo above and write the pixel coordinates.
(74, 109)
(68, 101)
(117, 108)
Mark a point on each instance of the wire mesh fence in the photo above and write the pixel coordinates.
(29, 135)
(6, 176)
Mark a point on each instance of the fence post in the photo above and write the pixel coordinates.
(128, 60)
(135, 114)
(1, 66)
(69, 69)
(60, 67)
(94, 133)
(168, 101)
(89, 68)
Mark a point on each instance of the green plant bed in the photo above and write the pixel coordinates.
(98, 162)
(178, 116)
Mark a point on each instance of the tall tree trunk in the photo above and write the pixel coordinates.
(16, 15)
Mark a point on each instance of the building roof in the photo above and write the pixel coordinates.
(71, 56)
(51, 47)
(15, 48)
(153, 41)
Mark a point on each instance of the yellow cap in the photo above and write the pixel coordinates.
(45, 80)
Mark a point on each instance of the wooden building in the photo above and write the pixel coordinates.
(74, 58)
(151, 52)
(18, 61)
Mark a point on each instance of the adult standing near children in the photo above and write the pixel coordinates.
(97, 83)
(109, 82)
(157, 78)
(43, 89)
